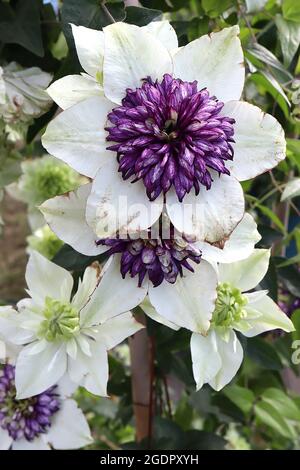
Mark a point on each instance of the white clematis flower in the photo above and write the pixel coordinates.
(217, 356)
(62, 334)
(176, 127)
(48, 420)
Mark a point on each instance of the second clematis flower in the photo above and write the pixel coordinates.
(156, 124)
(59, 331)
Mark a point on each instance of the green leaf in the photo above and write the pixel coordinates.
(214, 8)
(89, 13)
(267, 57)
(296, 323)
(293, 151)
(202, 440)
(71, 260)
(272, 216)
(164, 5)
(270, 85)
(22, 26)
(267, 414)
(240, 396)
(263, 353)
(141, 16)
(282, 402)
(290, 277)
(291, 10)
(289, 36)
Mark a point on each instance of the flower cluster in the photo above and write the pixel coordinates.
(164, 139)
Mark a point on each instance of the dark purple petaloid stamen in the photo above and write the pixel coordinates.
(170, 133)
(25, 418)
(160, 259)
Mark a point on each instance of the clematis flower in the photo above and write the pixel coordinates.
(61, 334)
(217, 356)
(42, 178)
(152, 123)
(48, 420)
(22, 97)
(169, 271)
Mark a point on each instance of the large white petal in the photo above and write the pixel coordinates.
(206, 360)
(131, 54)
(164, 32)
(271, 316)
(35, 373)
(5, 440)
(231, 354)
(213, 214)
(72, 89)
(216, 62)
(37, 444)
(113, 295)
(150, 311)
(259, 140)
(77, 136)
(69, 428)
(90, 49)
(86, 286)
(115, 330)
(91, 371)
(115, 205)
(66, 216)
(189, 302)
(246, 274)
(46, 279)
(239, 245)
(11, 327)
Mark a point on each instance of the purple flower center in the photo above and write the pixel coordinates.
(170, 134)
(160, 259)
(25, 418)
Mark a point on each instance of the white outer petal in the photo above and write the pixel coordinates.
(213, 214)
(90, 49)
(72, 89)
(77, 135)
(5, 440)
(164, 32)
(37, 444)
(69, 428)
(131, 54)
(231, 354)
(216, 62)
(113, 295)
(189, 302)
(46, 279)
(86, 286)
(35, 373)
(113, 331)
(115, 205)
(66, 217)
(154, 315)
(259, 140)
(239, 245)
(206, 360)
(246, 274)
(271, 316)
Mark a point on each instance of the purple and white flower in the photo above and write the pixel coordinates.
(159, 125)
(48, 420)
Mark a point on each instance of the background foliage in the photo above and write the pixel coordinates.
(261, 408)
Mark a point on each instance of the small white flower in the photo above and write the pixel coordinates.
(22, 93)
(167, 151)
(217, 356)
(63, 335)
